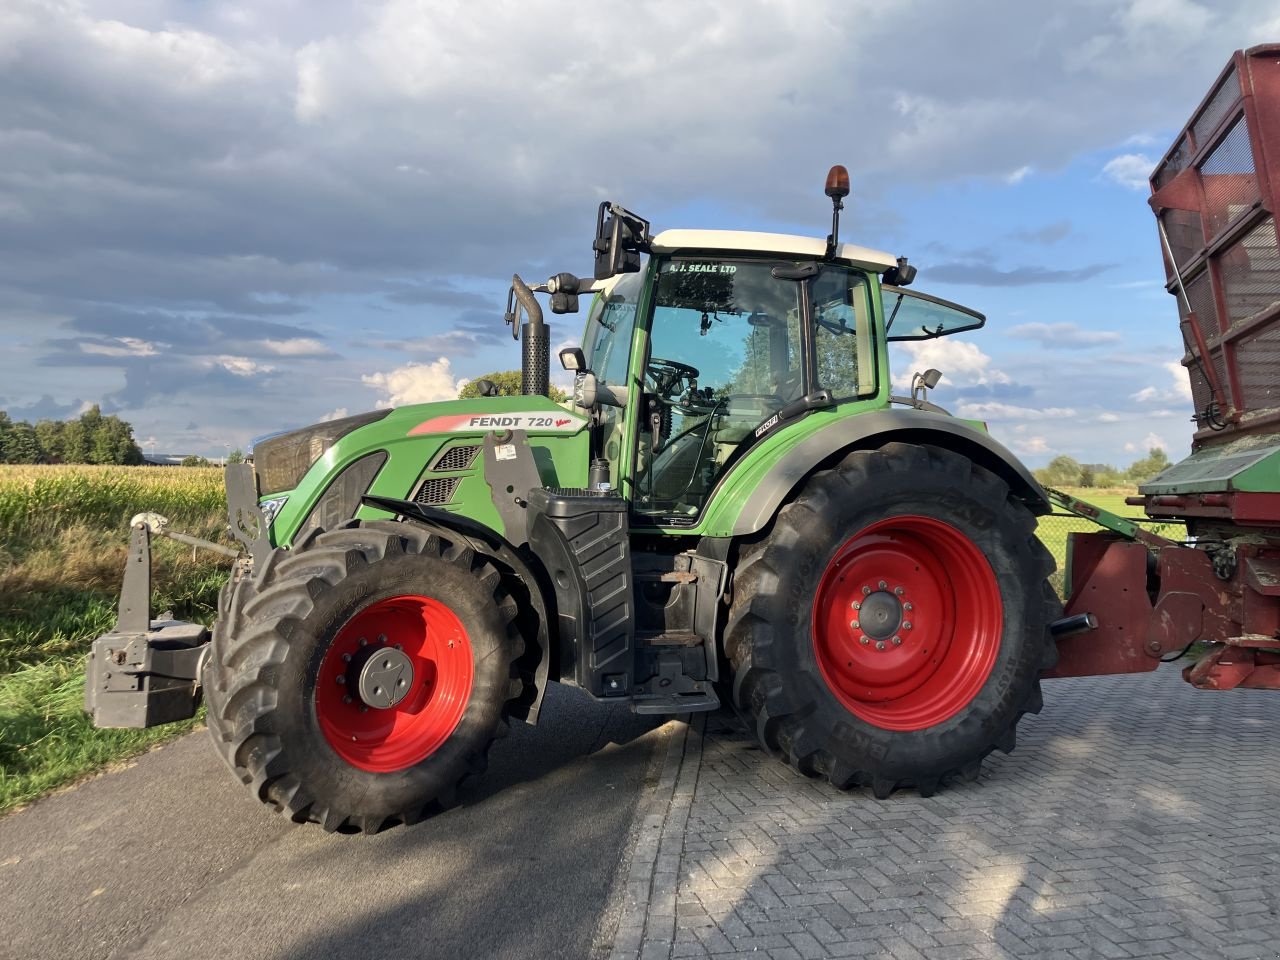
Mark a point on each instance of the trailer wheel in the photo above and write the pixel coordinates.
(359, 677)
(891, 627)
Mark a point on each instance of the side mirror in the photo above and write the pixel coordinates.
(621, 237)
(901, 275)
(572, 358)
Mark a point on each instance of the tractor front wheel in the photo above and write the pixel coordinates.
(891, 626)
(357, 678)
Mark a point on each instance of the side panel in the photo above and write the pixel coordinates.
(412, 437)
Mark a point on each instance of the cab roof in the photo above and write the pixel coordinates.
(749, 241)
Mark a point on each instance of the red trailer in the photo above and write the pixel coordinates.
(1214, 195)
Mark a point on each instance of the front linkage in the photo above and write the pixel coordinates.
(146, 672)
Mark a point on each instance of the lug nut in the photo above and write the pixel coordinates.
(364, 709)
(382, 638)
(364, 641)
(866, 591)
(855, 624)
(346, 699)
(883, 585)
(898, 591)
(864, 640)
(908, 606)
(346, 658)
(879, 644)
(857, 605)
(399, 646)
(341, 679)
(897, 641)
(906, 624)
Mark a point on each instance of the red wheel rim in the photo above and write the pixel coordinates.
(907, 622)
(435, 643)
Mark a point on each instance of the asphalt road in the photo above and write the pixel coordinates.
(172, 858)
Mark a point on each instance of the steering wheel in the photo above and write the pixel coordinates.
(667, 376)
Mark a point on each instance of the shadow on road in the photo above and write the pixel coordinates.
(173, 858)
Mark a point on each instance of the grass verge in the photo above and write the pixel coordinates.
(63, 543)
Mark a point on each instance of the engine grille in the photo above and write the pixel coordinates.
(437, 490)
(456, 458)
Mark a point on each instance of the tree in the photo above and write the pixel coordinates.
(194, 461)
(49, 437)
(75, 442)
(1062, 471)
(20, 444)
(1140, 471)
(235, 456)
(508, 384)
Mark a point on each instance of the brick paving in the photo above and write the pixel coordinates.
(1137, 818)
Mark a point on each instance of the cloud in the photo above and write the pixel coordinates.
(337, 414)
(241, 366)
(1005, 411)
(1067, 335)
(984, 275)
(296, 347)
(1150, 442)
(963, 364)
(1017, 176)
(1030, 446)
(1129, 170)
(1108, 417)
(1177, 390)
(119, 347)
(415, 383)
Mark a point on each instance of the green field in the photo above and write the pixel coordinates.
(63, 537)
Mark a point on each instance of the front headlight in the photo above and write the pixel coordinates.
(271, 507)
(282, 461)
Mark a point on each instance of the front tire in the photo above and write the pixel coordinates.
(358, 677)
(891, 627)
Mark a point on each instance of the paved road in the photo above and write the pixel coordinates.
(171, 858)
(1137, 818)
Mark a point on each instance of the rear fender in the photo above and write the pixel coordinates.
(529, 581)
(868, 431)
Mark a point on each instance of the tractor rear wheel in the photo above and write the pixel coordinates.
(891, 626)
(358, 677)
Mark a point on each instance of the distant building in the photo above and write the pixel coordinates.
(164, 459)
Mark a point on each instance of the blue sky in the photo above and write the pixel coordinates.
(221, 219)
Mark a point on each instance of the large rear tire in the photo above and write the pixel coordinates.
(891, 626)
(357, 678)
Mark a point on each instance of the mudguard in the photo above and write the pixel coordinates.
(870, 430)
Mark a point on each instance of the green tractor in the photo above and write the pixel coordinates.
(732, 511)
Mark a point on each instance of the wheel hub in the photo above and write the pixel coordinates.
(880, 615)
(385, 679)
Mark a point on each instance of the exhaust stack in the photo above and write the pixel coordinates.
(535, 355)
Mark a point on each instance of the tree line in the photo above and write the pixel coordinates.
(89, 438)
(1063, 471)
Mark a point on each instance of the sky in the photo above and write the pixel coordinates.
(219, 220)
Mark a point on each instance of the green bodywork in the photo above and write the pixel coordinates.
(563, 454)
(1249, 464)
(561, 458)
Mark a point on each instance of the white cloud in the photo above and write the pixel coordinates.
(296, 347)
(962, 363)
(1017, 176)
(240, 366)
(1129, 170)
(1109, 417)
(337, 414)
(415, 383)
(994, 410)
(1030, 446)
(122, 347)
(1178, 390)
(1149, 442)
(1063, 335)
